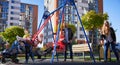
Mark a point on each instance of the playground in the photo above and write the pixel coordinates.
(53, 58)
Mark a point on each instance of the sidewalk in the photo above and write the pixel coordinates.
(61, 62)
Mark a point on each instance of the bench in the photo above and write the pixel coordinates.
(81, 48)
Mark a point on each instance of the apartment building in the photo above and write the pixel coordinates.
(3, 14)
(70, 14)
(16, 13)
(29, 17)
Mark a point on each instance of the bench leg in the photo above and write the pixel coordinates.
(83, 55)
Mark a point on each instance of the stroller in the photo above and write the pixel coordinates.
(12, 52)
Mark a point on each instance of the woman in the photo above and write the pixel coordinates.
(61, 44)
(110, 38)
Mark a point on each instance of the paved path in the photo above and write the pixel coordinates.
(61, 62)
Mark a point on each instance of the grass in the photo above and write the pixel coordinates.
(76, 57)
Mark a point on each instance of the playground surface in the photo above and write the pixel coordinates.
(61, 62)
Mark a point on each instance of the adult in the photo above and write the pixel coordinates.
(28, 47)
(108, 34)
(68, 43)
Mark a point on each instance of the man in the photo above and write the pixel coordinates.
(68, 44)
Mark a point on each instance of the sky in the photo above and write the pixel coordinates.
(112, 8)
(109, 6)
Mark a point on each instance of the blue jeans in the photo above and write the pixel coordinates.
(29, 53)
(106, 46)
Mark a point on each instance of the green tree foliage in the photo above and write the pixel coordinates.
(93, 20)
(72, 27)
(105, 16)
(10, 33)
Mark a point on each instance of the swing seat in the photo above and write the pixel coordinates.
(61, 46)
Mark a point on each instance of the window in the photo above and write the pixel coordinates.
(84, 1)
(11, 24)
(31, 8)
(16, 2)
(1, 27)
(80, 28)
(49, 39)
(75, 0)
(15, 13)
(13, 7)
(4, 16)
(14, 18)
(82, 36)
(49, 32)
(66, 17)
(22, 8)
(13, 1)
(11, 18)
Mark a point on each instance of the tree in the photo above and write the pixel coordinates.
(92, 21)
(72, 27)
(10, 33)
(69, 26)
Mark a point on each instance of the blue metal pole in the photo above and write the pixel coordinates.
(57, 37)
(51, 14)
(39, 24)
(91, 54)
(52, 30)
(57, 9)
(53, 35)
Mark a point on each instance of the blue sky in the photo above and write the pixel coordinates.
(110, 6)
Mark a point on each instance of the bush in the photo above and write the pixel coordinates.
(10, 33)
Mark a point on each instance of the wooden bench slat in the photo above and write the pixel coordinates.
(80, 48)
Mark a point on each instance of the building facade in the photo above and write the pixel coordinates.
(15, 13)
(29, 17)
(3, 14)
(70, 14)
(48, 29)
